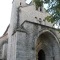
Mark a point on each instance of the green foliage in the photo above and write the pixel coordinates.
(49, 19)
(38, 3)
(53, 9)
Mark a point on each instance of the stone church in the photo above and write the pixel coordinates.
(29, 36)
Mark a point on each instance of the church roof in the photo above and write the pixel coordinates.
(5, 33)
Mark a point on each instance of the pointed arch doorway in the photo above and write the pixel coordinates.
(41, 55)
(47, 47)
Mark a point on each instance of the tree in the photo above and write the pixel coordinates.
(53, 9)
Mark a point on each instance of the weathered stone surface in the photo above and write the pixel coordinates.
(28, 36)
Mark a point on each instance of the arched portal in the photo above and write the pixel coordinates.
(41, 55)
(47, 47)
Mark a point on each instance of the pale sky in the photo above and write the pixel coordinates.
(5, 14)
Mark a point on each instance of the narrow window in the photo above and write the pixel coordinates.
(40, 8)
(20, 3)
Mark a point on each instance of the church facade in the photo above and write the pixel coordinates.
(29, 36)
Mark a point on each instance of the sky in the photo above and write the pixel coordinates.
(5, 14)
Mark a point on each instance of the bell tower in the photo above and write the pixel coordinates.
(13, 25)
(14, 13)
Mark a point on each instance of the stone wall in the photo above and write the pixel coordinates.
(22, 40)
(26, 42)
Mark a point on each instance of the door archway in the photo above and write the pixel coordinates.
(41, 55)
(47, 47)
